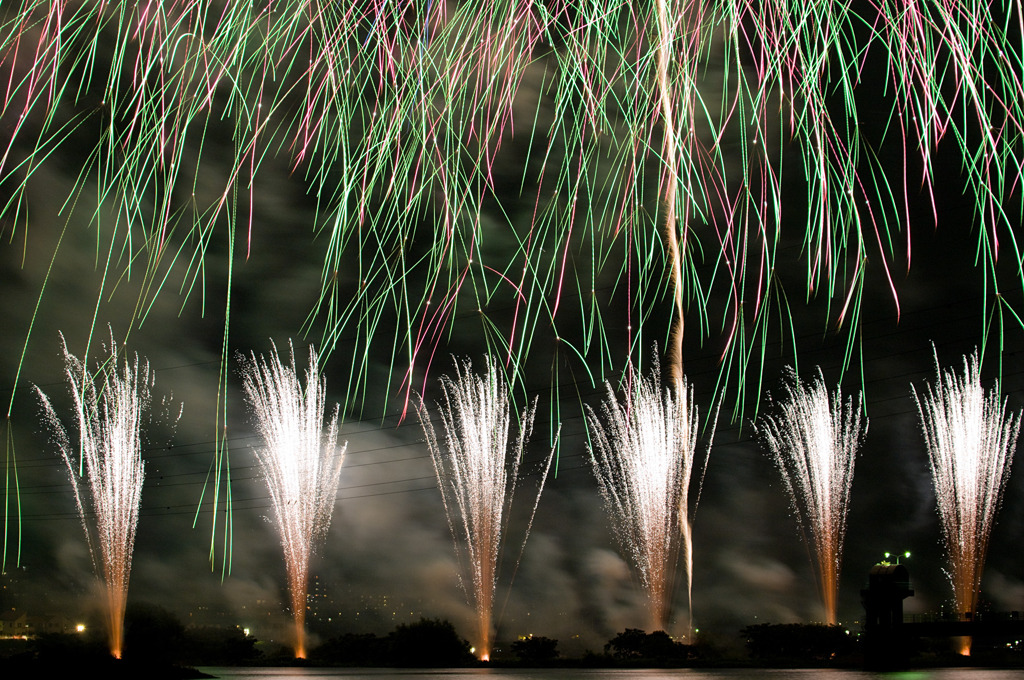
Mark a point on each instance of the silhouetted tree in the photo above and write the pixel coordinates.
(152, 634)
(659, 645)
(634, 643)
(535, 649)
(210, 646)
(797, 641)
(627, 644)
(428, 643)
(69, 648)
(353, 649)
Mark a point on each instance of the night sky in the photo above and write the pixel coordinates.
(388, 557)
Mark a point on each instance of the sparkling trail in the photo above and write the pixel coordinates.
(971, 442)
(643, 455)
(477, 472)
(108, 407)
(394, 116)
(814, 442)
(300, 460)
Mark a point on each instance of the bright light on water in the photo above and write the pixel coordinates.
(604, 674)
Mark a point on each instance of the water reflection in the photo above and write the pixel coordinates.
(603, 674)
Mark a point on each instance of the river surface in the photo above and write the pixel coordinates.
(602, 674)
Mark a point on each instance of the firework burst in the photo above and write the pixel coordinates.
(478, 472)
(643, 452)
(301, 462)
(108, 407)
(574, 133)
(814, 440)
(970, 442)
(400, 115)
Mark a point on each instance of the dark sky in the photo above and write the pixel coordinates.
(388, 554)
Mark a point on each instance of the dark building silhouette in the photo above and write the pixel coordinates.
(885, 639)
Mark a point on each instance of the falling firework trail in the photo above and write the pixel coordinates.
(109, 408)
(301, 462)
(970, 448)
(384, 93)
(814, 441)
(643, 454)
(395, 115)
(477, 472)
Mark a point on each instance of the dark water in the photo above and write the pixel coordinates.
(602, 674)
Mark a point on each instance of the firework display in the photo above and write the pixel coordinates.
(556, 185)
(971, 441)
(643, 451)
(407, 124)
(478, 470)
(814, 440)
(106, 468)
(301, 463)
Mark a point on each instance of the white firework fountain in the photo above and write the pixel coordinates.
(814, 441)
(106, 468)
(301, 462)
(477, 472)
(643, 452)
(970, 444)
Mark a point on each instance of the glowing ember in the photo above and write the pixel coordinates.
(301, 462)
(814, 442)
(643, 457)
(477, 473)
(970, 447)
(108, 406)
